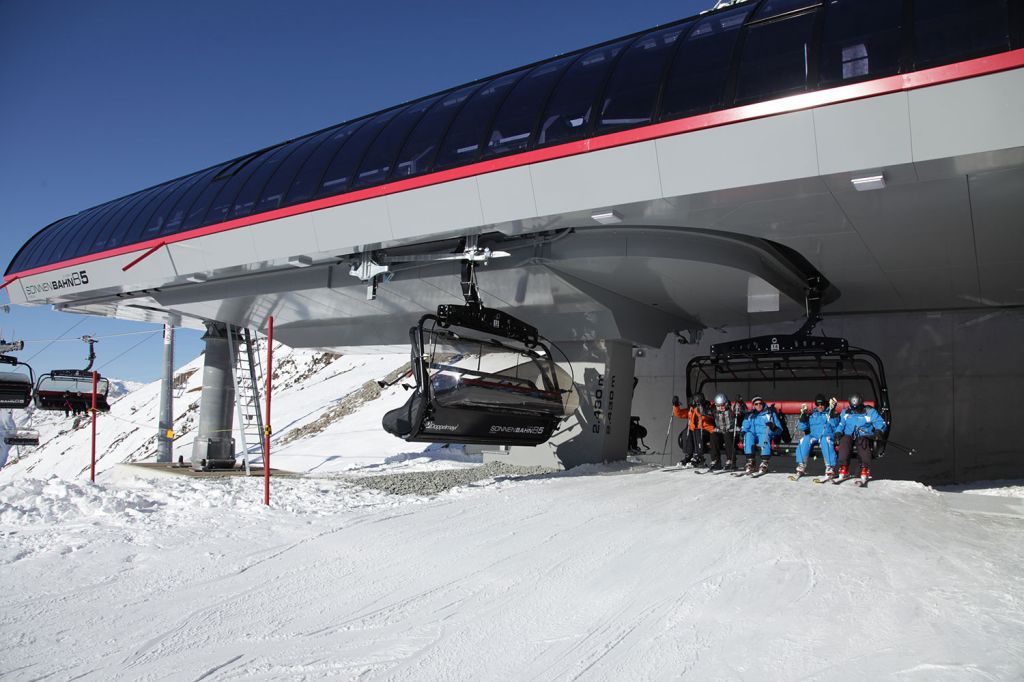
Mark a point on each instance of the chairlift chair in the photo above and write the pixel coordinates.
(15, 387)
(70, 390)
(482, 377)
(21, 437)
(795, 362)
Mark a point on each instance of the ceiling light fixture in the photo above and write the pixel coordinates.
(607, 217)
(869, 182)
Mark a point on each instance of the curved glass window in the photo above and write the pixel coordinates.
(245, 202)
(90, 240)
(632, 91)
(59, 238)
(466, 134)
(273, 193)
(225, 199)
(343, 166)
(417, 154)
(776, 59)
(177, 213)
(117, 235)
(30, 254)
(700, 69)
(571, 107)
(377, 162)
(77, 241)
(196, 214)
(159, 218)
(134, 233)
(860, 39)
(517, 116)
(951, 30)
(307, 180)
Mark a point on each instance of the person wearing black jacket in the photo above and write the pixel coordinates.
(724, 436)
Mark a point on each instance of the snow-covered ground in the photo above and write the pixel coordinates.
(621, 572)
(611, 573)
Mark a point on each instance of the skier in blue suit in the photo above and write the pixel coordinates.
(760, 425)
(818, 428)
(858, 424)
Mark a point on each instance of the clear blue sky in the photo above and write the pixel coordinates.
(102, 98)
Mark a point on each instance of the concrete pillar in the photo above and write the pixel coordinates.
(214, 448)
(165, 426)
(599, 429)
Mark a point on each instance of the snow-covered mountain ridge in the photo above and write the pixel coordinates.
(326, 417)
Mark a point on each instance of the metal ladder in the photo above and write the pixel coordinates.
(248, 376)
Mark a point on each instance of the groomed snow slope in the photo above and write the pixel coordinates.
(609, 573)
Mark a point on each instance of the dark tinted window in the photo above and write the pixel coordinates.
(24, 259)
(225, 199)
(245, 201)
(571, 107)
(176, 215)
(117, 235)
(79, 241)
(343, 166)
(39, 253)
(277, 186)
(518, 115)
(307, 181)
(159, 218)
(773, 8)
(99, 230)
(134, 233)
(861, 39)
(696, 82)
(951, 30)
(776, 58)
(466, 134)
(376, 164)
(629, 99)
(417, 155)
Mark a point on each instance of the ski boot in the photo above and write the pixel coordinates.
(729, 464)
(801, 469)
(844, 473)
(715, 465)
(865, 474)
(749, 469)
(763, 468)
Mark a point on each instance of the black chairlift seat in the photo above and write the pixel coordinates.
(15, 390)
(476, 389)
(70, 390)
(795, 365)
(482, 377)
(21, 437)
(784, 367)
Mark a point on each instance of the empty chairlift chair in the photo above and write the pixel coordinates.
(482, 377)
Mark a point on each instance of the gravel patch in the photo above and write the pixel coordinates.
(442, 480)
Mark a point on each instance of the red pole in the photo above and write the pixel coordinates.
(266, 426)
(92, 467)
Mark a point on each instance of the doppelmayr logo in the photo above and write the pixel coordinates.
(75, 279)
(434, 426)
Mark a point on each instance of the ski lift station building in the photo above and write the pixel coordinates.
(641, 200)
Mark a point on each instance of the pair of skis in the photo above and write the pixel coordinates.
(858, 482)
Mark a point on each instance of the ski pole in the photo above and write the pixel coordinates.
(668, 433)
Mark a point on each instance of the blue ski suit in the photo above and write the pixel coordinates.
(819, 428)
(856, 424)
(760, 426)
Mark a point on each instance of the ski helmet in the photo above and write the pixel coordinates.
(820, 400)
(856, 402)
(721, 399)
(697, 399)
